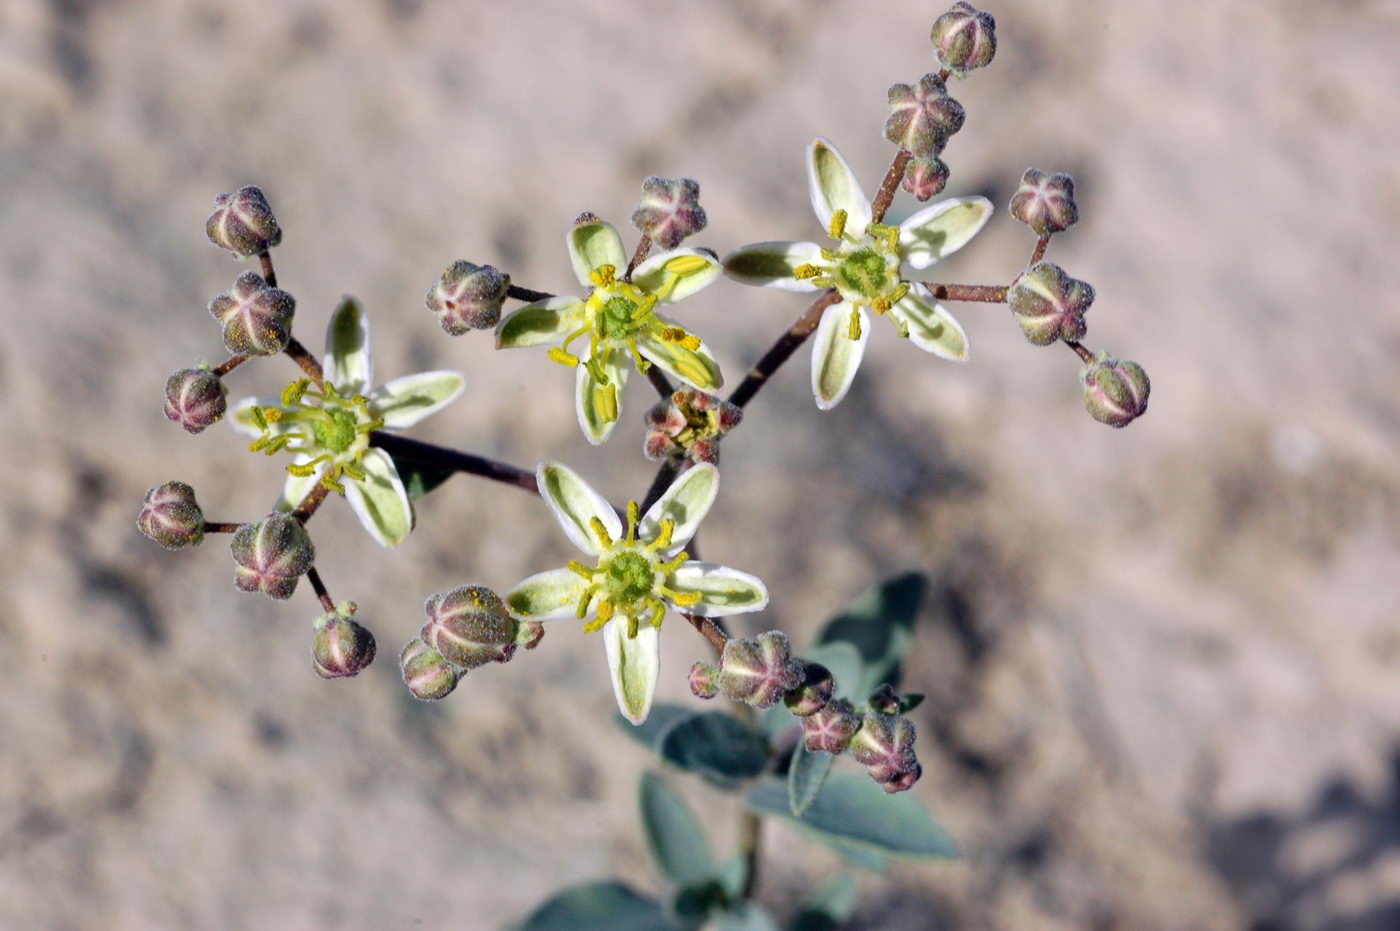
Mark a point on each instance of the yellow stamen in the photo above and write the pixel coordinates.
(376, 424)
(354, 471)
(881, 305)
(605, 400)
(805, 271)
(291, 395)
(631, 626)
(603, 276)
(563, 358)
(657, 614)
(854, 330)
(332, 484)
(642, 365)
(837, 229)
(676, 562)
(600, 531)
(594, 626)
(272, 414)
(685, 265)
(663, 537)
(606, 610)
(634, 511)
(900, 292)
(902, 327)
(305, 469)
(683, 599)
(579, 568)
(584, 601)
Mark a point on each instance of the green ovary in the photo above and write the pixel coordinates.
(616, 318)
(629, 578)
(863, 274)
(335, 432)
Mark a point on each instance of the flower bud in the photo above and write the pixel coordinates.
(884, 700)
(924, 116)
(704, 680)
(691, 423)
(759, 671)
(341, 647)
(468, 297)
(830, 730)
(171, 516)
(1049, 304)
(884, 745)
(470, 627)
(194, 398)
(925, 177)
(1045, 202)
(669, 211)
(813, 693)
(964, 38)
(257, 319)
(904, 781)
(1115, 392)
(530, 634)
(243, 223)
(272, 554)
(426, 673)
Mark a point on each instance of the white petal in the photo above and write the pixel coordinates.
(380, 501)
(599, 406)
(404, 401)
(686, 502)
(547, 596)
(575, 504)
(722, 590)
(834, 186)
(835, 356)
(546, 321)
(239, 416)
(931, 327)
(635, 665)
(677, 274)
(593, 245)
(348, 363)
(771, 264)
(941, 229)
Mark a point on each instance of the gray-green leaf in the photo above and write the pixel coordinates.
(677, 841)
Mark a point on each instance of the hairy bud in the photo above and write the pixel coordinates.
(704, 680)
(171, 516)
(925, 177)
(669, 211)
(924, 116)
(689, 423)
(1115, 392)
(257, 319)
(341, 647)
(1049, 304)
(964, 38)
(884, 745)
(195, 399)
(470, 627)
(759, 671)
(813, 692)
(426, 673)
(1045, 202)
(243, 223)
(884, 700)
(904, 781)
(830, 729)
(272, 554)
(468, 297)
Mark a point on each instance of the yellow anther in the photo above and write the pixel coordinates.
(837, 228)
(256, 413)
(605, 400)
(672, 334)
(594, 626)
(631, 626)
(685, 265)
(634, 511)
(683, 599)
(563, 358)
(259, 443)
(691, 342)
(600, 531)
(853, 331)
(645, 306)
(303, 470)
(831, 255)
(579, 568)
(642, 365)
(292, 394)
(371, 426)
(899, 292)
(663, 537)
(272, 414)
(658, 614)
(805, 271)
(332, 484)
(680, 559)
(354, 471)
(606, 610)
(277, 444)
(360, 400)
(881, 305)
(583, 602)
(902, 328)
(603, 276)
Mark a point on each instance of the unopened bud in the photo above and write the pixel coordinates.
(759, 671)
(925, 177)
(923, 116)
(1049, 304)
(171, 516)
(964, 38)
(813, 693)
(884, 745)
(1115, 392)
(426, 673)
(1045, 202)
(704, 680)
(690, 422)
(904, 781)
(830, 730)
(669, 211)
(341, 647)
(530, 634)
(885, 700)
(194, 398)
(470, 627)
(257, 319)
(468, 297)
(272, 554)
(243, 223)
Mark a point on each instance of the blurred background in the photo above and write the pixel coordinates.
(1163, 662)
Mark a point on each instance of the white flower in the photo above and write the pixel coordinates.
(864, 267)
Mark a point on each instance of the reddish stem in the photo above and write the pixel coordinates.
(1040, 246)
(229, 364)
(885, 196)
(319, 588)
(1085, 355)
(526, 295)
(643, 247)
(783, 349)
(212, 526)
(979, 293)
(311, 502)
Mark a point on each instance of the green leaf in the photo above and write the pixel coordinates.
(852, 809)
(830, 907)
(806, 775)
(608, 905)
(676, 840)
(745, 916)
(418, 479)
(879, 624)
(649, 732)
(846, 666)
(714, 745)
(858, 857)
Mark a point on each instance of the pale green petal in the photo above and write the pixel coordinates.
(348, 363)
(833, 186)
(240, 416)
(296, 487)
(941, 229)
(722, 590)
(546, 321)
(593, 245)
(547, 596)
(931, 327)
(635, 664)
(677, 274)
(771, 264)
(835, 356)
(694, 366)
(686, 502)
(599, 405)
(380, 501)
(575, 504)
(406, 400)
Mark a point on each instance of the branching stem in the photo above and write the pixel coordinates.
(401, 447)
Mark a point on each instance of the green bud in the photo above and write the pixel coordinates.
(470, 627)
(1115, 392)
(925, 177)
(759, 671)
(426, 673)
(1049, 304)
(813, 693)
(704, 680)
(884, 745)
(964, 38)
(271, 555)
(341, 647)
(171, 516)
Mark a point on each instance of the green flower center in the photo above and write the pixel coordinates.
(629, 577)
(617, 318)
(335, 433)
(864, 273)
(322, 425)
(864, 269)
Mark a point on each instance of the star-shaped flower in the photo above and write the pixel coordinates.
(618, 319)
(865, 268)
(640, 573)
(328, 427)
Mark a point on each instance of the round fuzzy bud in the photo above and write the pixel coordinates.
(964, 38)
(759, 671)
(1115, 392)
(814, 691)
(690, 422)
(658, 445)
(468, 297)
(171, 516)
(704, 680)
(669, 211)
(924, 116)
(884, 700)
(1045, 202)
(1049, 304)
(243, 223)
(341, 647)
(470, 627)
(530, 634)
(884, 745)
(904, 781)
(194, 398)
(925, 177)
(257, 320)
(272, 554)
(705, 449)
(426, 673)
(830, 730)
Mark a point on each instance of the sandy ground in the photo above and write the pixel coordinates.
(1162, 661)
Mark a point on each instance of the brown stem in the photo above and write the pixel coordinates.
(1041, 245)
(213, 526)
(454, 460)
(306, 360)
(319, 588)
(660, 382)
(979, 293)
(311, 502)
(665, 475)
(711, 631)
(269, 275)
(1085, 355)
(229, 364)
(783, 349)
(526, 295)
(643, 247)
(944, 75)
(885, 196)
